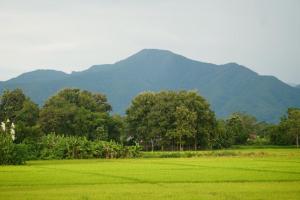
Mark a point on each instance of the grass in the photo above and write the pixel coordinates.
(246, 174)
(254, 151)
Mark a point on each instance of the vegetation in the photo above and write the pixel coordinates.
(74, 147)
(266, 174)
(75, 112)
(73, 124)
(76, 124)
(288, 131)
(169, 118)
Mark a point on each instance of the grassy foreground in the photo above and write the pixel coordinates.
(264, 174)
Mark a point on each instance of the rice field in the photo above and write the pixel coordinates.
(243, 174)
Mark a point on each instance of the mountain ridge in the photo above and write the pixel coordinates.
(229, 87)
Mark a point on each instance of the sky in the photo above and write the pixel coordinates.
(72, 35)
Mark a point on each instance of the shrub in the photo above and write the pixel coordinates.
(75, 147)
(19, 154)
(10, 153)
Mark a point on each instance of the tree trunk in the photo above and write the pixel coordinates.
(172, 145)
(146, 146)
(195, 144)
(152, 145)
(180, 148)
(297, 140)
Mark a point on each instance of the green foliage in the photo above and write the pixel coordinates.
(74, 147)
(75, 112)
(81, 126)
(24, 132)
(6, 148)
(116, 128)
(288, 131)
(20, 154)
(224, 137)
(20, 110)
(16, 107)
(240, 126)
(11, 153)
(11, 102)
(101, 133)
(185, 124)
(29, 113)
(161, 118)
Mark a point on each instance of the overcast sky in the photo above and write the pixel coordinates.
(263, 35)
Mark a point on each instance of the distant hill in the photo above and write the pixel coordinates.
(229, 87)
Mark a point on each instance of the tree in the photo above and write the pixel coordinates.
(10, 103)
(21, 111)
(29, 113)
(116, 128)
(138, 118)
(155, 118)
(205, 120)
(185, 124)
(76, 112)
(239, 126)
(291, 124)
(16, 107)
(224, 138)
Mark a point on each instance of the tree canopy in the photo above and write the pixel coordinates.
(159, 119)
(76, 112)
(18, 108)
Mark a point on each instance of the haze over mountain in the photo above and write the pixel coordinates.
(229, 87)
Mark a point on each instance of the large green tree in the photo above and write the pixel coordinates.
(139, 119)
(163, 118)
(76, 112)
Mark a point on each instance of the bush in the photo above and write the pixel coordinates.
(75, 147)
(10, 153)
(61, 147)
(19, 154)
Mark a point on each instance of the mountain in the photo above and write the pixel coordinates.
(38, 75)
(297, 86)
(229, 87)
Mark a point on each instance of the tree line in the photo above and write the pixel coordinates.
(166, 120)
(175, 120)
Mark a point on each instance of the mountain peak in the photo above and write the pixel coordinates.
(154, 51)
(152, 56)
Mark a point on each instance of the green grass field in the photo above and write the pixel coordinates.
(262, 174)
